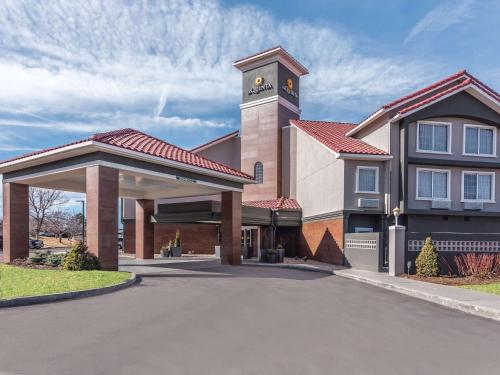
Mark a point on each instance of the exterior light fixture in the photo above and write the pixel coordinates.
(396, 212)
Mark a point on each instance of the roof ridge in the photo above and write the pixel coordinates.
(215, 140)
(426, 88)
(326, 121)
(97, 136)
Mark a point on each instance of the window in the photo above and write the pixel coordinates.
(433, 137)
(478, 186)
(366, 179)
(258, 172)
(433, 184)
(479, 140)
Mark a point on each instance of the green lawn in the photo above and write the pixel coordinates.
(486, 288)
(21, 282)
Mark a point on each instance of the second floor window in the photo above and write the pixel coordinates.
(433, 137)
(478, 186)
(258, 172)
(367, 180)
(479, 140)
(433, 184)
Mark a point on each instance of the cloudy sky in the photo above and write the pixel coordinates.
(69, 69)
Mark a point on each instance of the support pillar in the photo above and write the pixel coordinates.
(397, 250)
(15, 221)
(231, 228)
(102, 215)
(144, 229)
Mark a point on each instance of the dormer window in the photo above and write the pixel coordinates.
(258, 172)
(434, 137)
(479, 140)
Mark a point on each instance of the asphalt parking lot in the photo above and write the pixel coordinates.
(198, 317)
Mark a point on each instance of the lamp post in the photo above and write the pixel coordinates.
(396, 212)
(83, 219)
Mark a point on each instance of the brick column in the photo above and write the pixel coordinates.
(102, 215)
(144, 229)
(231, 228)
(15, 221)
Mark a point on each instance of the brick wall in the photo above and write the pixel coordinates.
(198, 238)
(323, 240)
(129, 237)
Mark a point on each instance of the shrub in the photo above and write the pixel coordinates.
(477, 265)
(39, 257)
(79, 259)
(55, 260)
(427, 261)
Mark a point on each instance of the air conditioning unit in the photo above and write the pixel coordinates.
(368, 203)
(441, 205)
(473, 206)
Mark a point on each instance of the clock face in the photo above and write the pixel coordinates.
(289, 83)
(259, 81)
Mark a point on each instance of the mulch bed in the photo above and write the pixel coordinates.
(455, 280)
(25, 263)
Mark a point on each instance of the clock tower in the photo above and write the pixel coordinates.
(270, 98)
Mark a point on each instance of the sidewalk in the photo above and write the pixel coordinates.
(477, 303)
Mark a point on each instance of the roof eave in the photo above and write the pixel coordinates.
(352, 156)
(366, 122)
(278, 54)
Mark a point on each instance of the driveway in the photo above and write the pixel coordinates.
(198, 317)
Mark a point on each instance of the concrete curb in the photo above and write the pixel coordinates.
(24, 301)
(301, 267)
(467, 307)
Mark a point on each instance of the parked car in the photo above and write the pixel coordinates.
(35, 244)
(47, 234)
(1, 242)
(120, 243)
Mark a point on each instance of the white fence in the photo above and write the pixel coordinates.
(458, 246)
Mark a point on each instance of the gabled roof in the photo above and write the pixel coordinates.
(333, 136)
(441, 89)
(282, 203)
(136, 141)
(215, 141)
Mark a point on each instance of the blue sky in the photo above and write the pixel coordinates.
(68, 70)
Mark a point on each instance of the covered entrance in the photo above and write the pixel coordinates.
(107, 166)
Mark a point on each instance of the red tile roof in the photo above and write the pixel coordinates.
(333, 136)
(216, 140)
(134, 140)
(282, 203)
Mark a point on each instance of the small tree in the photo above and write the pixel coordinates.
(42, 201)
(80, 259)
(427, 261)
(177, 238)
(57, 222)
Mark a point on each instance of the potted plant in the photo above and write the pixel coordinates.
(176, 249)
(272, 256)
(165, 250)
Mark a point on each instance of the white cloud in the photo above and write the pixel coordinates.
(82, 67)
(442, 17)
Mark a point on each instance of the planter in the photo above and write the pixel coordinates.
(272, 258)
(164, 253)
(281, 255)
(176, 251)
(263, 256)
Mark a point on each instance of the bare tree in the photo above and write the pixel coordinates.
(56, 222)
(42, 201)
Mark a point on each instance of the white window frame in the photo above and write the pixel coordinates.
(494, 155)
(492, 174)
(423, 122)
(448, 189)
(377, 189)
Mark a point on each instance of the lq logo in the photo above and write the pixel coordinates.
(260, 86)
(288, 88)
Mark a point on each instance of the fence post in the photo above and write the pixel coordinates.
(396, 249)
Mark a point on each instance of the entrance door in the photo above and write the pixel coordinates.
(249, 242)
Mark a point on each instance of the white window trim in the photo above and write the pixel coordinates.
(494, 155)
(492, 174)
(418, 149)
(448, 189)
(377, 189)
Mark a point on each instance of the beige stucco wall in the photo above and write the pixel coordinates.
(377, 134)
(320, 181)
(227, 152)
